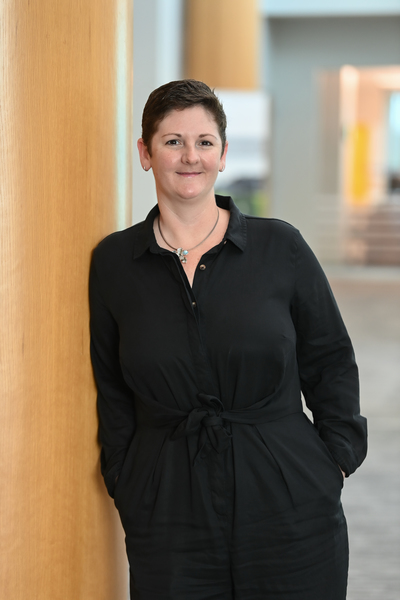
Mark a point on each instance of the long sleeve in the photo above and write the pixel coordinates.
(114, 399)
(327, 367)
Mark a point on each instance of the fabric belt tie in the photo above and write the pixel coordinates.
(208, 421)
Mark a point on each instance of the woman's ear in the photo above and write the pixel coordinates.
(145, 158)
(222, 161)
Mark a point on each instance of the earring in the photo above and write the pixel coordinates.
(222, 169)
(144, 169)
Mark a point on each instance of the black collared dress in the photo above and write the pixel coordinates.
(225, 489)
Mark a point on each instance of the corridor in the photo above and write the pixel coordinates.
(369, 300)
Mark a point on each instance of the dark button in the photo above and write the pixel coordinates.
(202, 267)
(194, 304)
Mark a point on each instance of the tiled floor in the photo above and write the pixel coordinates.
(370, 305)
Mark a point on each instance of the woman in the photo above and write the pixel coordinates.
(206, 326)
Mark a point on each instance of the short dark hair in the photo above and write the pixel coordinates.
(178, 95)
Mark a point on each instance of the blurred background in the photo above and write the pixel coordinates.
(311, 89)
(312, 94)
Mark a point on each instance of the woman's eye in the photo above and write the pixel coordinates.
(172, 142)
(205, 143)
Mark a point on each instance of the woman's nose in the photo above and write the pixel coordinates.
(190, 154)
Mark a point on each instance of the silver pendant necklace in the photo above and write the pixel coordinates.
(180, 252)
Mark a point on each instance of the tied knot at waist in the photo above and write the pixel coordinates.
(212, 421)
(208, 420)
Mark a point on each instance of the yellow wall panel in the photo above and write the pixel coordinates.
(360, 180)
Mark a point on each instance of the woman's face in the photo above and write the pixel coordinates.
(186, 155)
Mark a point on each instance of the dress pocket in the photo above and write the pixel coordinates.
(313, 432)
(308, 468)
(116, 482)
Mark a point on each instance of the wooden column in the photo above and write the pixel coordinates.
(65, 156)
(222, 42)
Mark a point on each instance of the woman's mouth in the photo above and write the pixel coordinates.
(191, 174)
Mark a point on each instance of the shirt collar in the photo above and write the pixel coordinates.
(236, 231)
(237, 226)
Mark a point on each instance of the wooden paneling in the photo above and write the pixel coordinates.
(222, 42)
(60, 534)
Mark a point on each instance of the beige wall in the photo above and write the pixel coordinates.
(62, 189)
